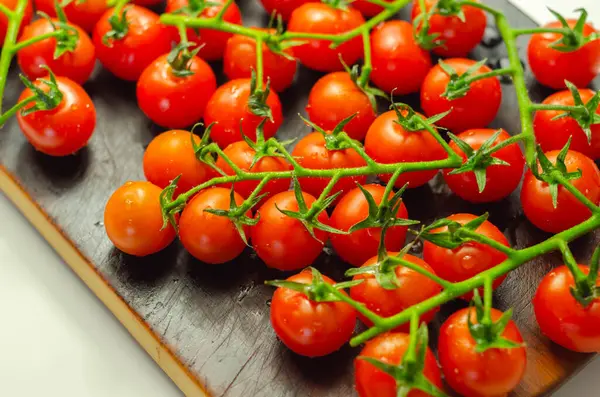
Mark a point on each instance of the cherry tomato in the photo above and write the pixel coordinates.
(283, 242)
(367, 8)
(388, 142)
(552, 67)
(76, 65)
(459, 37)
(213, 41)
(146, 39)
(563, 319)
(310, 152)
(495, 372)
(389, 348)
(468, 259)
(66, 128)
(133, 219)
(310, 328)
(360, 245)
(228, 108)
(84, 14)
(283, 7)
(474, 110)
(209, 237)
(242, 155)
(399, 64)
(324, 19)
(175, 101)
(554, 134)
(11, 5)
(170, 155)
(537, 200)
(501, 180)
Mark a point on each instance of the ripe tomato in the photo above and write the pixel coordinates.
(11, 5)
(393, 48)
(562, 318)
(66, 128)
(283, 242)
(175, 101)
(133, 219)
(552, 67)
(228, 107)
(84, 14)
(474, 110)
(213, 41)
(495, 372)
(468, 259)
(146, 39)
(324, 19)
(310, 152)
(554, 134)
(501, 180)
(388, 142)
(537, 200)
(240, 59)
(367, 8)
(283, 7)
(242, 155)
(459, 36)
(170, 155)
(360, 245)
(389, 348)
(208, 237)
(310, 328)
(77, 65)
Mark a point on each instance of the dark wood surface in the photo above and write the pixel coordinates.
(216, 318)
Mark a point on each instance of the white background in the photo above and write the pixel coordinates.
(57, 339)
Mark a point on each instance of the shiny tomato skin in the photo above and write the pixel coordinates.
(11, 5)
(65, 129)
(501, 180)
(146, 40)
(459, 37)
(133, 219)
(213, 41)
(388, 142)
(335, 97)
(283, 7)
(283, 242)
(368, 9)
(389, 348)
(476, 109)
(554, 134)
(228, 108)
(208, 237)
(84, 14)
(76, 65)
(324, 19)
(393, 49)
(360, 245)
(537, 201)
(561, 318)
(172, 101)
(552, 67)
(308, 328)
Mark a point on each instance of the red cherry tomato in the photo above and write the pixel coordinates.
(310, 328)
(146, 39)
(360, 245)
(324, 19)
(561, 318)
(389, 348)
(208, 237)
(66, 128)
(283, 242)
(552, 67)
(133, 219)
(537, 200)
(175, 101)
(554, 134)
(474, 110)
(367, 8)
(84, 14)
(228, 108)
(11, 5)
(399, 64)
(388, 142)
(283, 7)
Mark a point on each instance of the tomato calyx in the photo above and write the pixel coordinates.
(572, 38)
(119, 27)
(337, 4)
(274, 42)
(336, 139)
(43, 99)
(411, 121)
(361, 79)
(585, 291)
(262, 148)
(68, 37)
(459, 86)
(257, 100)
(456, 233)
(195, 7)
(421, 23)
(583, 113)
(179, 58)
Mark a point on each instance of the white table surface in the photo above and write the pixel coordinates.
(57, 339)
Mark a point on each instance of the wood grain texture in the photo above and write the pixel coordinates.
(215, 319)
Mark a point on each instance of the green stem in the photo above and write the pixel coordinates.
(452, 155)
(381, 3)
(359, 307)
(484, 7)
(544, 106)
(571, 263)
(420, 270)
(480, 238)
(12, 111)
(259, 63)
(8, 51)
(6, 11)
(183, 37)
(363, 80)
(493, 73)
(560, 178)
(22, 44)
(223, 10)
(519, 32)
(513, 139)
(410, 357)
(488, 290)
